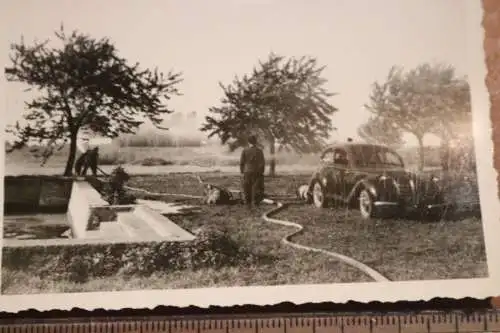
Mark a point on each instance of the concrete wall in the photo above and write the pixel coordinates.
(36, 194)
(84, 199)
(86, 211)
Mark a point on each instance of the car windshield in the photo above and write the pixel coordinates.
(375, 155)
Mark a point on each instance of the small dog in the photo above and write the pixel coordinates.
(215, 195)
(302, 192)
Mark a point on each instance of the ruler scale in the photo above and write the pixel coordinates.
(453, 322)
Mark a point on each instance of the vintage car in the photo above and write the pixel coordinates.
(373, 178)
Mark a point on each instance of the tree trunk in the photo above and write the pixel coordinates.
(272, 161)
(68, 171)
(445, 154)
(421, 153)
(445, 148)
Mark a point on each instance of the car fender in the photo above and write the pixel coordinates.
(324, 177)
(368, 183)
(431, 184)
(314, 178)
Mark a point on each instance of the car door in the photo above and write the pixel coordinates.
(326, 166)
(349, 176)
(327, 170)
(340, 173)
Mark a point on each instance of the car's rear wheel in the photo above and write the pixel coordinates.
(309, 198)
(304, 194)
(319, 195)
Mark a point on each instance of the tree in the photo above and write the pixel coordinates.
(423, 100)
(282, 101)
(84, 84)
(381, 131)
(454, 119)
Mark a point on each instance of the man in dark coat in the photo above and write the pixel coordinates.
(252, 166)
(80, 161)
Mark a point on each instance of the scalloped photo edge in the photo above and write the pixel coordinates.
(383, 291)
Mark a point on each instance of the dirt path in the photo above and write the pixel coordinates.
(16, 170)
(133, 169)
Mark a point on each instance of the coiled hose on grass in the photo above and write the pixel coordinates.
(299, 229)
(287, 240)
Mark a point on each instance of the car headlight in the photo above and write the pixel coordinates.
(434, 179)
(324, 181)
(373, 191)
(386, 187)
(435, 183)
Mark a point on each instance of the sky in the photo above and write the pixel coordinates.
(211, 41)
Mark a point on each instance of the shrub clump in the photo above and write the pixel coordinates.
(79, 263)
(158, 140)
(154, 161)
(114, 191)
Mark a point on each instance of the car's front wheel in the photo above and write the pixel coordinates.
(367, 206)
(319, 195)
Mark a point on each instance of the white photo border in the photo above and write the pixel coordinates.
(338, 293)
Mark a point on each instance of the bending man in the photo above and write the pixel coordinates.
(87, 159)
(252, 166)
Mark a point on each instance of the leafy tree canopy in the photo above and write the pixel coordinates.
(429, 98)
(84, 84)
(283, 101)
(381, 131)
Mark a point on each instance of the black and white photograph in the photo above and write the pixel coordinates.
(196, 146)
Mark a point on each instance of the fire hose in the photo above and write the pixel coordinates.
(287, 239)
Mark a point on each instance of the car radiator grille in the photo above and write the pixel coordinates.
(406, 192)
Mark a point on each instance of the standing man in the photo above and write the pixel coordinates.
(252, 166)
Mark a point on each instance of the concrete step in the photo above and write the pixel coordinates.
(108, 230)
(162, 226)
(166, 207)
(135, 227)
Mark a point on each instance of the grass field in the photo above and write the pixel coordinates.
(399, 249)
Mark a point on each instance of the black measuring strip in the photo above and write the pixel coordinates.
(430, 322)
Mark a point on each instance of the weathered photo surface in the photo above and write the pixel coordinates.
(299, 151)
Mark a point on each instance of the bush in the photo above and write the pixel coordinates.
(114, 191)
(158, 140)
(154, 161)
(110, 158)
(79, 263)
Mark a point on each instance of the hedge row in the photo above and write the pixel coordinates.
(79, 263)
